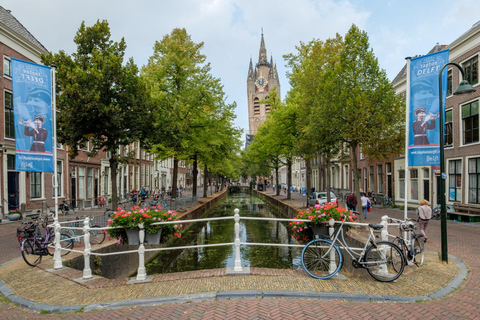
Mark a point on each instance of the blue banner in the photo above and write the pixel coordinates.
(32, 111)
(424, 127)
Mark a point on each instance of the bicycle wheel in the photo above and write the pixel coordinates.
(96, 236)
(384, 261)
(66, 242)
(419, 249)
(321, 259)
(403, 248)
(28, 253)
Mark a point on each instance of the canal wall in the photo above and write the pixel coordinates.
(279, 205)
(124, 265)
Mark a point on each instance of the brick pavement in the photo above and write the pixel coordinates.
(461, 304)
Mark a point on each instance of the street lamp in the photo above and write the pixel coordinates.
(464, 87)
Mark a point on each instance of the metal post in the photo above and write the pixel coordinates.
(238, 261)
(141, 272)
(87, 271)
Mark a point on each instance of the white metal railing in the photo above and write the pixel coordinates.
(141, 272)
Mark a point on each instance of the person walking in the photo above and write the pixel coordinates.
(424, 215)
(365, 205)
(352, 202)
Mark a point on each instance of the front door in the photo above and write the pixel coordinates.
(426, 190)
(389, 186)
(74, 192)
(13, 191)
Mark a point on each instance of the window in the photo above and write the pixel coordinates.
(401, 184)
(10, 162)
(7, 71)
(471, 70)
(371, 185)
(470, 122)
(449, 83)
(9, 122)
(455, 180)
(59, 179)
(448, 128)
(474, 180)
(380, 178)
(414, 183)
(35, 185)
(89, 183)
(256, 107)
(81, 182)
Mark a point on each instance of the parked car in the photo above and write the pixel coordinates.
(321, 198)
(437, 210)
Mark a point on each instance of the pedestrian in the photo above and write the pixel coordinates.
(352, 202)
(365, 204)
(424, 215)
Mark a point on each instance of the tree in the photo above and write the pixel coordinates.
(366, 112)
(185, 96)
(102, 100)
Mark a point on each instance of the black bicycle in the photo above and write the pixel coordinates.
(34, 245)
(411, 244)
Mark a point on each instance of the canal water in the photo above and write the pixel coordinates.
(222, 231)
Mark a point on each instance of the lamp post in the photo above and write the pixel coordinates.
(463, 88)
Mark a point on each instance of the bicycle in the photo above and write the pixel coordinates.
(387, 202)
(412, 245)
(66, 208)
(34, 245)
(322, 258)
(96, 236)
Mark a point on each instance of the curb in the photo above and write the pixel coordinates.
(227, 295)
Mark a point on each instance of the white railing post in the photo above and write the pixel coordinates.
(238, 261)
(141, 273)
(57, 257)
(87, 271)
(384, 231)
(331, 230)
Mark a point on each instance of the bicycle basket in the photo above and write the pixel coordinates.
(25, 230)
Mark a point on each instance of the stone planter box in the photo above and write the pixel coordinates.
(321, 231)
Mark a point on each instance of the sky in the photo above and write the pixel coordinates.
(231, 29)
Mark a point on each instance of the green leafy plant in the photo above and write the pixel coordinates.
(122, 219)
(16, 211)
(318, 215)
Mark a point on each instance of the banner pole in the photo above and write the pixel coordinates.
(407, 122)
(54, 117)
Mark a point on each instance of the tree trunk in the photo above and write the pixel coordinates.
(195, 174)
(329, 199)
(205, 182)
(289, 178)
(276, 181)
(308, 173)
(113, 168)
(175, 177)
(356, 179)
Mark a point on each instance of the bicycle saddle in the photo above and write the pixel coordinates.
(34, 217)
(375, 226)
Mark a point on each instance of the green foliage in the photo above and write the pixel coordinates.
(101, 97)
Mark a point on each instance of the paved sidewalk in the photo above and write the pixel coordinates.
(209, 288)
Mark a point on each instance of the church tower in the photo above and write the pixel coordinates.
(261, 81)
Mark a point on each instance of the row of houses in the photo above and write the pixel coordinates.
(462, 145)
(82, 180)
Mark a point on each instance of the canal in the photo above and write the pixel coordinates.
(222, 231)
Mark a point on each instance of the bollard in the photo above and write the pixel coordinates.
(238, 261)
(141, 272)
(87, 271)
(331, 231)
(57, 257)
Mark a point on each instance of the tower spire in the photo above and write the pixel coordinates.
(250, 70)
(262, 56)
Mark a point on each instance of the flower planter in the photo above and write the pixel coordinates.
(14, 216)
(150, 238)
(322, 231)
